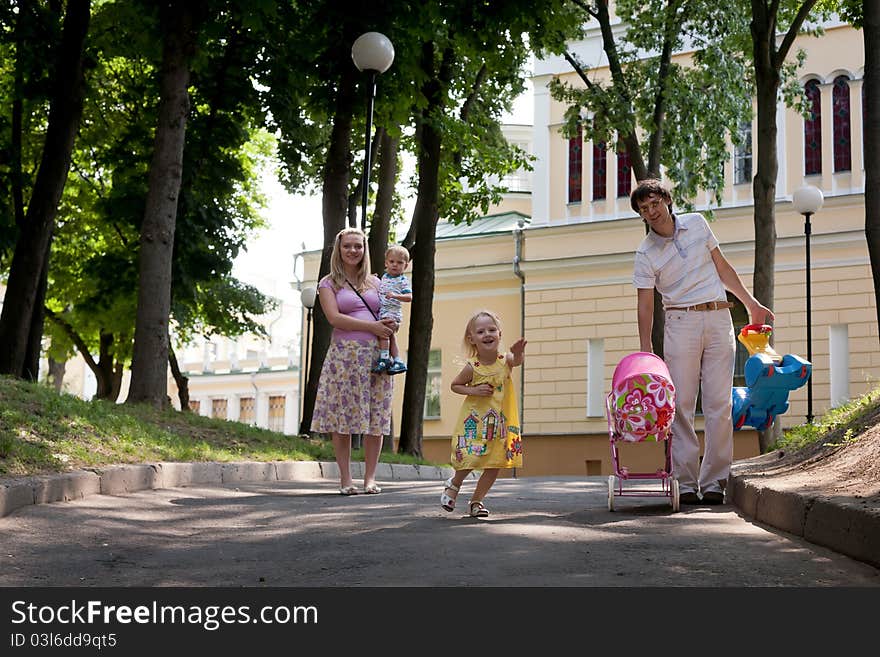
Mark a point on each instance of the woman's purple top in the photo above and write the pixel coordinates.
(350, 304)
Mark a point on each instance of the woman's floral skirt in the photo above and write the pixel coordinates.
(350, 398)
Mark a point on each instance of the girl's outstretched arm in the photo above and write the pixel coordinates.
(517, 352)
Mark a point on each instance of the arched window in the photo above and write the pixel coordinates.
(624, 171)
(575, 164)
(813, 130)
(842, 141)
(600, 171)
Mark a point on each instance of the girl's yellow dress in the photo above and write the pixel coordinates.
(487, 434)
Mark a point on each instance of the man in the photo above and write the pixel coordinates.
(680, 257)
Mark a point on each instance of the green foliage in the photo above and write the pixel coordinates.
(25, 78)
(850, 10)
(705, 96)
(93, 267)
(838, 426)
(490, 47)
(43, 432)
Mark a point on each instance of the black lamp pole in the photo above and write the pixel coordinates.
(371, 53)
(807, 216)
(308, 341)
(308, 301)
(807, 200)
(365, 180)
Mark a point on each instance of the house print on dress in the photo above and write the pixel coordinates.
(480, 431)
(492, 421)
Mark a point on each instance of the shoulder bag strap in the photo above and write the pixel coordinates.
(362, 299)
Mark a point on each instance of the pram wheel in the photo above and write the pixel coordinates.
(612, 484)
(676, 495)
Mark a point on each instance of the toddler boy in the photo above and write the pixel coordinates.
(393, 291)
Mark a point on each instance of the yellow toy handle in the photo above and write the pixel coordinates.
(756, 338)
(756, 328)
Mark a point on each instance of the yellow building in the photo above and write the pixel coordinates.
(570, 290)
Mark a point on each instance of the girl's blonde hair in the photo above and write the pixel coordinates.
(337, 269)
(470, 348)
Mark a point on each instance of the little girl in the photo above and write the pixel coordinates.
(487, 435)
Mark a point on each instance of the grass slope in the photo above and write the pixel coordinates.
(838, 426)
(43, 432)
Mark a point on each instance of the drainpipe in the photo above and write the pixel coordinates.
(518, 239)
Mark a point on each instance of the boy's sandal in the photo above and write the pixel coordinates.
(397, 367)
(372, 489)
(447, 502)
(381, 366)
(478, 510)
(348, 490)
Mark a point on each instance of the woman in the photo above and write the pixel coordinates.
(350, 398)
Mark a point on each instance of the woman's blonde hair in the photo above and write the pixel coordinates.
(470, 348)
(337, 269)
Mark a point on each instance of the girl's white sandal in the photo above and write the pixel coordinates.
(447, 502)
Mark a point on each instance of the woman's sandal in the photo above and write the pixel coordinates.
(478, 510)
(348, 490)
(448, 503)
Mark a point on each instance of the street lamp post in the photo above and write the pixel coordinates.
(307, 296)
(807, 200)
(371, 52)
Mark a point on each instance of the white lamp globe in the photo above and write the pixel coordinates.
(807, 199)
(307, 296)
(372, 51)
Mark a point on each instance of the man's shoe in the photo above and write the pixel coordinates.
(713, 497)
(397, 367)
(688, 497)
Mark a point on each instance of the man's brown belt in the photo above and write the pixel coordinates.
(712, 305)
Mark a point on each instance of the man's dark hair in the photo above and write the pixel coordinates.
(647, 187)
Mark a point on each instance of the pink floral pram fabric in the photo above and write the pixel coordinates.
(641, 408)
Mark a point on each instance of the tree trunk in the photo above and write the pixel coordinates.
(149, 366)
(767, 80)
(355, 199)
(180, 379)
(108, 373)
(334, 202)
(31, 369)
(17, 320)
(871, 31)
(764, 190)
(425, 217)
(105, 369)
(56, 373)
(380, 225)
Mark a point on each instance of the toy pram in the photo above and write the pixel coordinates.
(641, 407)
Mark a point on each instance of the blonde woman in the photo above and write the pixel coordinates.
(350, 398)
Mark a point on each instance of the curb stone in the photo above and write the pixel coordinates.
(16, 493)
(839, 525)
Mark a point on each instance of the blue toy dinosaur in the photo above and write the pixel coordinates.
(769, 379)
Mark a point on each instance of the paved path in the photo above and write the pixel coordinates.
(549, 531)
